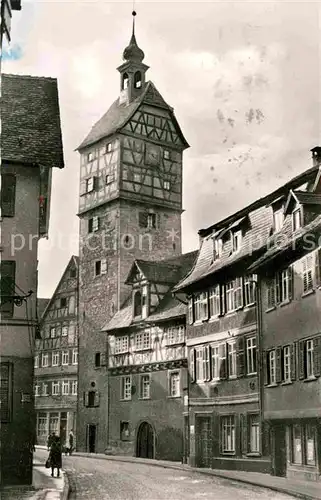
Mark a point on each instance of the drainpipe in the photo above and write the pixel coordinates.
(259, 321)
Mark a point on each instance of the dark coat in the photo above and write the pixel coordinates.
(55, 453)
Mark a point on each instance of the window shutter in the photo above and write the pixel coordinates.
(86, 398)
(240, 357)
(301, 359)
(293, 361)
(271, 293)
(317, 263)
(317, 356)
(7, 286)
(290, 282)
(143, 219)
(96, 183)
(241, 281)
(265, 438)
(244, 433)
(216, 435)
(277, 289)
(278, 363)
(206, 363)
(102, 359)
(82, 188)
(265, 368)
(97, 398)
(8, 195)
(192, 364)
(222, 351)
(222, 300)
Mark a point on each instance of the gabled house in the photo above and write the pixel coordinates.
(147, 365)
(226, 422)
(56, 360)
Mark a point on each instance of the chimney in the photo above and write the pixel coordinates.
(316, 155)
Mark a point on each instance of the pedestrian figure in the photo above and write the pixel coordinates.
(71, 442)
(55, 458)
(50, 439)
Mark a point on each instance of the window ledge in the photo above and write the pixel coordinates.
(287, 382)
(310, 379)
(253, 454)
(249, 306)
(228, 453)
(270, 309)
(174, 397)
(232, 313)
(285, 303)
(143, 349)
(145, 399)
(125, 399)
(232, 377)
(272, 385)
(309, 292)
(121, 353)
(254, 374)
(214, 318)
(175, 344)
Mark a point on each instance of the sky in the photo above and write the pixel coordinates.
(243, 78)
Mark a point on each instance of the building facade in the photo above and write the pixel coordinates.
(30, 146)
(56, 360)
(226, 421)
(290, 283)
(130, 207)
(147, 365)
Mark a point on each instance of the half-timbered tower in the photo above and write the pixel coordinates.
(147, 363)
(56, 360)
(129, 207)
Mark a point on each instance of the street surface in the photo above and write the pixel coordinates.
(110, 480)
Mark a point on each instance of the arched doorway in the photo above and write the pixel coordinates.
(145, 441)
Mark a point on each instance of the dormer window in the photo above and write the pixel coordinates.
(236, 241)
(296, 219)
(166, 154)
(218, 248)
(278, 220)
(90, 156)
(137, 304)
(138, 80)
(108, 147)
(125, 81)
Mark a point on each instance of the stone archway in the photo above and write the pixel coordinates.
(145, 441)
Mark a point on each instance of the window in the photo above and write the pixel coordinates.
(65, 387)
(45, 360)
(307, 273)
(310, 444)
(137, 304)
(190, 311)
(199, 364)
(214, 297)
(167, 185)
(8, 195)
(231, 352)
(174, 384)
(233, 291)
(151, 221)
(90, 156)
(90, 183)
(249, 289)
(228, 434)
(251, 355)
(236, 241)
(126, 388)
(309, 359)
(303, 443)
(296, 219)
(296, 444)
(279, 287)
(125, 81)
(147, 220)
(271, 367)
(55, 359)
(142, 341)
(65, 358)
(37, 390)
(175, 334)
(75, 357)
(63, 302)
(100, 267)
(74, 387)
(284, 279)
(137, 177)
(121, 344)
(36, 361)
(7, 287)
(200, 306)
(93, 224)
(270, 291)
(64, 331)
(124, 431)
(91, 402)
(108, 147)
(109, 179)
(144, 387)
(166, 154)
(6, 392)
(73, 273)
(45, 389)
(218, 248)
(42, 425)
(52, 332)
(215, 362)
(278, 220)
(254, 431)
(286, 364)
(97, 359)
(137, 80)
(53, 422)
(55, 388)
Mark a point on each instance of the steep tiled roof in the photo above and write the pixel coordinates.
(122, 319)
(41, 306)
(308, 198)
(168, 308)
(30, 121)
(120, 113)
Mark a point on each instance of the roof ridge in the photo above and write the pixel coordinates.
(13, 75)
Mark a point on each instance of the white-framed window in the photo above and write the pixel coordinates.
(65, 358)
(52, 332)
(285, 278)
(100, 267)
(307, 272)
(228, 434)
(231, 352)
(249, 289)
(36, 361)
(251, 355)
(93, 224)
(233, 290)
(74, 387)
(64, 331)
(236, 241)
(90, 184)
(229, 293)
(55, 388)
(190, 311)
(174, 384)
(254, 431)
(271, 367)
(42, 425)
(65, 387)
(90, 156)
(286, 361)
(151, 221)
(166, 154)
(45, 389)
(75, 356)
(215, 354)
(37, 390)
(142, 341)
(126, 387)
(55, 358)
(144, 386)
(296, 219)
(108, 147)
(309, 359)
(218, 248)
(214, 297)
(45, 360)
(199, 364)
(121, 344)
(200, 306)
(175, 334)
(278, 220)
(109, 179)
(167, 185)
(137, 177)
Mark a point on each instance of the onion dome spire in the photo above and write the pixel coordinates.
(133, 53)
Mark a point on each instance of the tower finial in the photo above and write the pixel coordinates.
(134, 13)
(133, 52)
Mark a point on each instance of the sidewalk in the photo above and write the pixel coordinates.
(308, 490)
